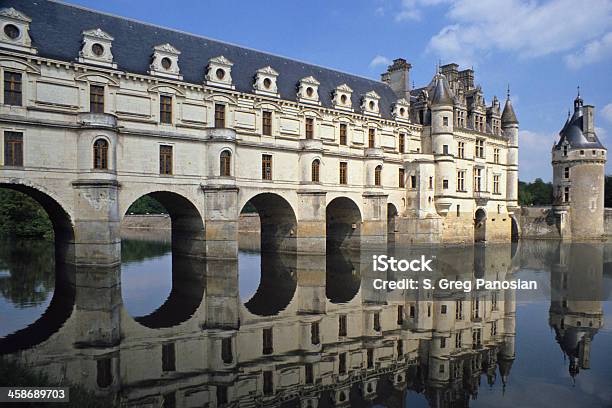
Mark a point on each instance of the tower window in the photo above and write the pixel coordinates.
(445, 121)
(343, 172)
(401, 176)
(165, 159)
(225, 161)
(443, 309)
(402, 143)
(371, 137)
(12, 88)
(442, 342)
(266, 123)
(266, 167)
(413, 182)
(309, 128)
(566, 194)
(100, 151)
(400, 314)
(376, 323)
(96, 99)
(377, 175)
(566, 172)
(315, 170)
(444, 149)
(582, 152)
(564, 150)
(445, 184)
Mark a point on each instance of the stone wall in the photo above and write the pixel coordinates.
(538, 222)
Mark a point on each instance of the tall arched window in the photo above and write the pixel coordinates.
(100, 153)
(225, 163)
(315, 170)
(377, 172)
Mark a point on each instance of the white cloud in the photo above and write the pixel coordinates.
(606, 112)
(379, 60)
(601, 133)
(527, 28)
(534, 155)
(594, 51)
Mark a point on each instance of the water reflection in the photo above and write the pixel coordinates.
(315, 332)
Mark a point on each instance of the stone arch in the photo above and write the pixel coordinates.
(278, 222)
(515, 230)
(63, 224)
(480, 225)
(343, 223)
(342, 276)
(187, 225)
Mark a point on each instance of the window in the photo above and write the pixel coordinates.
(401, 177)
(476, 334)
(168, 357)
(494, 329)
(442, 342)
(266, 167)
(268, 383)
(458, 310)
(441, 369)
(458, 210)
(342, 329)
(566, 173)
(412, 312)
(343, 172)
(494, 301)
(222, 394)
(445, 121)
(479, 148)
(460, 180)
(430, 182)
(314, 333)
(402, 143)
(315, 167)
(309, 128)
(96, 99)
(566, 195)
(496, 184)
(445, 149)
(477, 178)
(495, 155)
(400, 314)
(342, 363)
(309, 373)
(443, 309)
(376, 322)
(343, 132)
(225, 162)
(219, 115)
(582, 152)
(100, 154)
(445, 184)
(413, 182)
(400, 348)
(461, 150)
(564, 150)
(226, 350)
(104, 374)
(377, 172)
(370, 358)
(165, 159)
(13, 149)
(165, 109)
(458, 340)
(267, 123)
(268, 345)
(460, 118)
(12, 88)
(371, 137)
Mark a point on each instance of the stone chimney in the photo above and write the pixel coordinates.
(467, 78)
(398, 78)
(588, 122)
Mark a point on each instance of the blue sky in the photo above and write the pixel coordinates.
(543, 49)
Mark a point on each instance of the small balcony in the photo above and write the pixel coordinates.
(97, 120)
(374, 152)
(311, 145)
(482, 197)
(221, 134)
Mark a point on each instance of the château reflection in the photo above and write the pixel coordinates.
(315, 332)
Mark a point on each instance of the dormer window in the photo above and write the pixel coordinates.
(401, 110)
(342, 97)
(369, 103)
(265, 82)
(14, 33)
(96, 48)
(308, 90)
(219, 72)
(165, 62)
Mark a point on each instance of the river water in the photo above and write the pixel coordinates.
(308, 331)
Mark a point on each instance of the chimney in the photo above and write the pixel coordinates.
(398, 78)
(588, 122)
(467, 78)
(450, 71)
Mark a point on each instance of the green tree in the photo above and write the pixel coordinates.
(146, 205)
(22, 216)
(536, 193)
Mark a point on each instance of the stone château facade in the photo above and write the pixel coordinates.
(106, 110)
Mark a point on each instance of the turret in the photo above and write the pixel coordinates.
(510, 128)
(578, 160)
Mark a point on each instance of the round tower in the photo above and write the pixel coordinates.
(578, 161)
(510, 126)
(442, 140)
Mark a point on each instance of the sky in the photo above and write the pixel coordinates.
(542, 49)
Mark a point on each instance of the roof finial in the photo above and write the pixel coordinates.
(578, 87)
(508, 91)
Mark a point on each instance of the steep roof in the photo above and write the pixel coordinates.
(572, 134)
(441, 94)
(56, 32)
(508, 115)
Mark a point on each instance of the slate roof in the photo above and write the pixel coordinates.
(56, 32)
(508, 115)
(573, 134)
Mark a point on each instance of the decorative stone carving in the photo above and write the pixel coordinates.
(401, 110)
(96, 48)
(14, 30)
(342, 97)
(369, 103)
(219, 72)
(265, 82)
(308, 90)
(165, 62)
